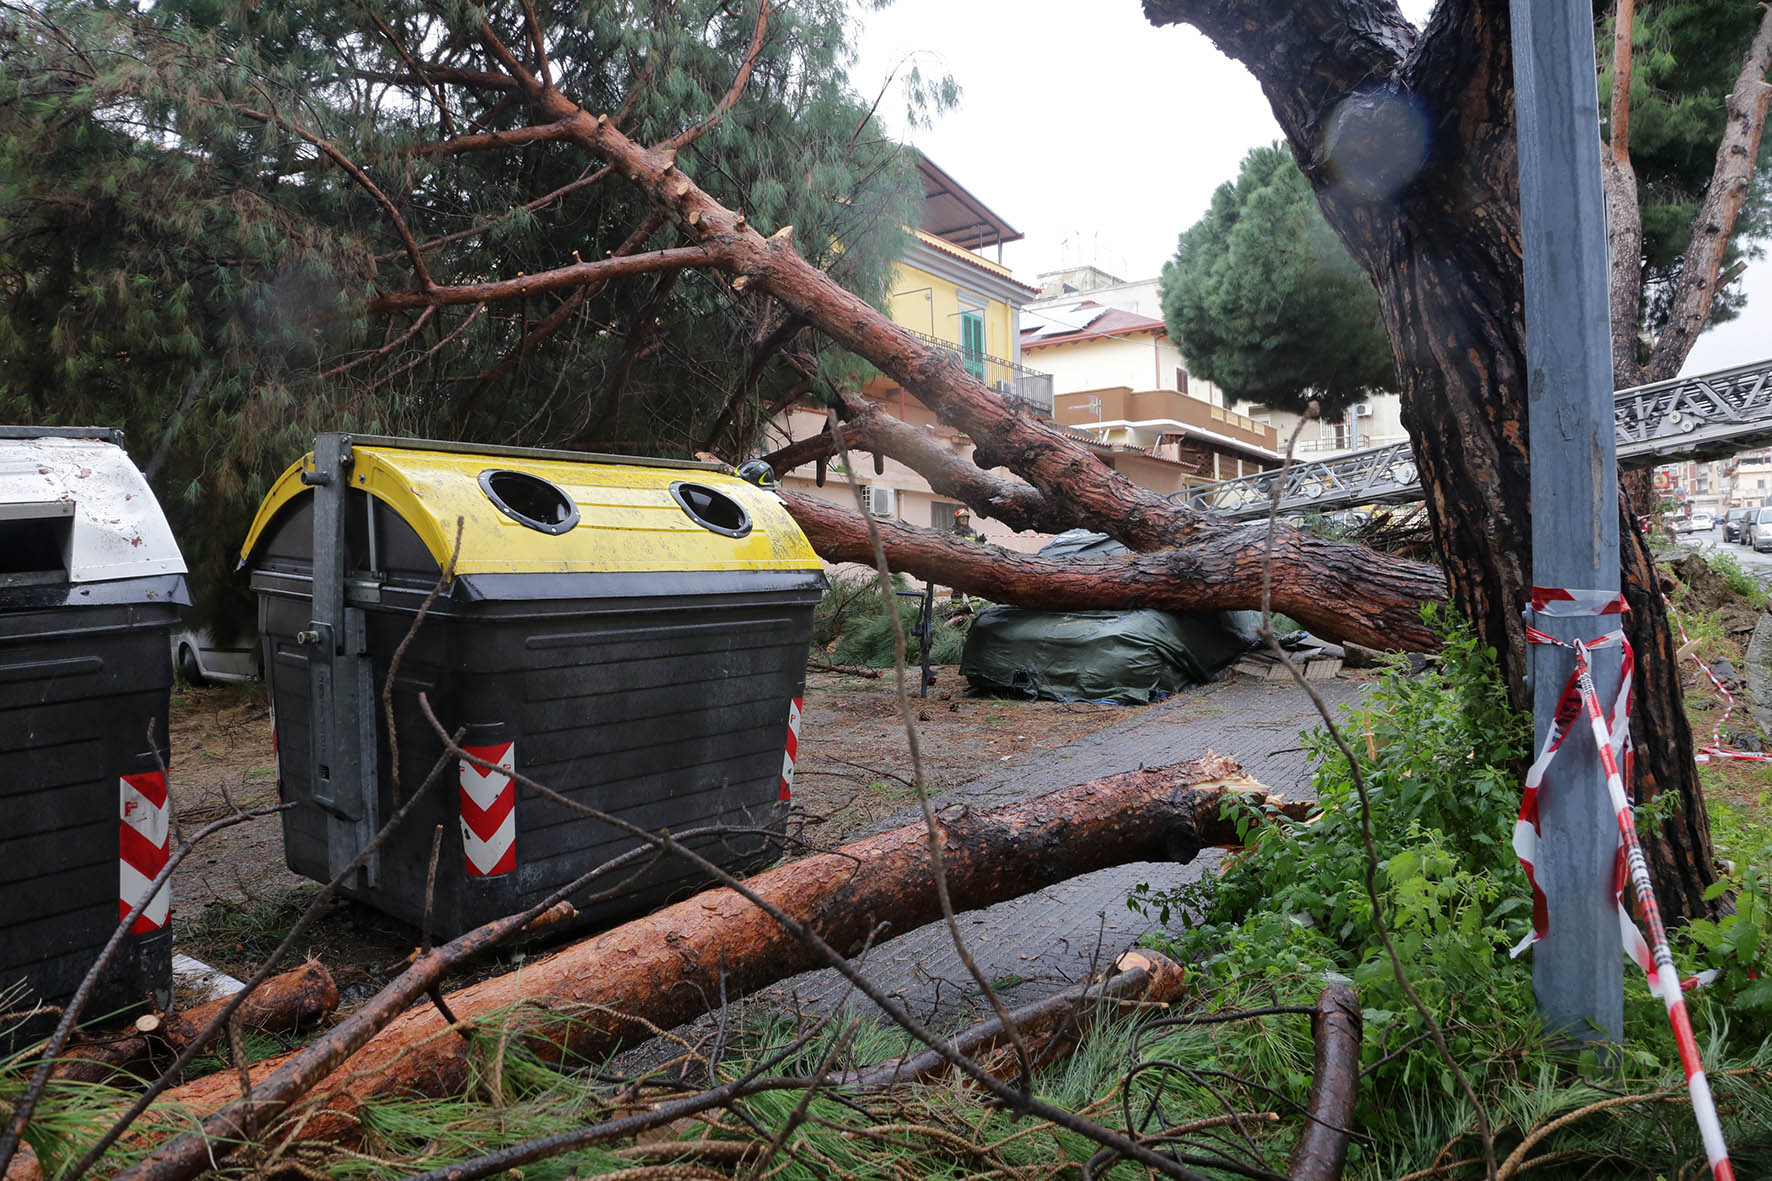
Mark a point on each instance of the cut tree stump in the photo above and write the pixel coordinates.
(615, 989)
(291, 1000)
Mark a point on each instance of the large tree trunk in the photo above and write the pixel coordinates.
(1439, 233)
(613, 989)
(1314, 581)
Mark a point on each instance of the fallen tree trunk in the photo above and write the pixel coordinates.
(296, 998)
(1314, 581)
(612, 990)
(1050, 1026)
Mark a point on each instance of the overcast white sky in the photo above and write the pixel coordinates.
(1101, 137)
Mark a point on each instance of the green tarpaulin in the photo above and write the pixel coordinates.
(1122, 656)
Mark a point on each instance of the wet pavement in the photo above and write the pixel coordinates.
(1037, 944)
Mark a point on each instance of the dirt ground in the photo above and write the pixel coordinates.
(234, 900)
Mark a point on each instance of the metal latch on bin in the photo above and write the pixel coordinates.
(341, 676)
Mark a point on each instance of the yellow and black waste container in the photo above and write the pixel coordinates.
(630, 633)
(90, 579)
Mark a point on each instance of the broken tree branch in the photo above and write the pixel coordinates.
(1321, 1152)
(573, 275)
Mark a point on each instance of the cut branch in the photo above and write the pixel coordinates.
(493, 140)
(296, 998)
(558, 279)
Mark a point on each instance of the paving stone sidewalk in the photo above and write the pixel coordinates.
(1035, 945)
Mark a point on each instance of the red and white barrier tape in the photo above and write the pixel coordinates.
(1611, 734)
(791, 750)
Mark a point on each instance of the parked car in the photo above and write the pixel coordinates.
(1733, 520)
(1759, 530)
(199, 658)
(1700, 523)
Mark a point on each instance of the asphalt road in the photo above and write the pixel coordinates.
(1711, 541)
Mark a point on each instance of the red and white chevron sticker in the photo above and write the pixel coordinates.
(793, 749)
(143, 839)
(489, 811)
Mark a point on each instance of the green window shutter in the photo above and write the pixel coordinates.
(972, 343)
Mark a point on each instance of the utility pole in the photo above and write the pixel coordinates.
(1577, 968)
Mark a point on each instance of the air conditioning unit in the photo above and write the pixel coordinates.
(1362, 410)
(881, 500)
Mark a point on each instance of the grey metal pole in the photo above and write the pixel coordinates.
(1577, 969)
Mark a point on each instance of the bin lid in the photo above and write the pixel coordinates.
(630, 516)
(118, 530)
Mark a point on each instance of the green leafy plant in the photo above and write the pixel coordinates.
(1740, 944)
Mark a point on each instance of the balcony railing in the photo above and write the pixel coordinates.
(1005, 377)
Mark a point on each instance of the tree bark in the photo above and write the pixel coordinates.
(589, 1000)
(1624, 220)
(1439, 233)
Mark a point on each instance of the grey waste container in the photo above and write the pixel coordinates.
(629, 632)
(90, 579)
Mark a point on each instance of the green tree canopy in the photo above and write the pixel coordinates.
(183, 252)
(1265, 301)
(1685, 58)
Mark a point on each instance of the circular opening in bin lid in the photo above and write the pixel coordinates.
(529, 500)
(714, 511)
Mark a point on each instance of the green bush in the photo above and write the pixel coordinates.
(1439, 754)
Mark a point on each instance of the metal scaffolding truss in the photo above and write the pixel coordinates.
(1380, 475)
(1704, 417)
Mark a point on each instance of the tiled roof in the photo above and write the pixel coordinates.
(1084, 321)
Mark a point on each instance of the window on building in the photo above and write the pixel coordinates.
(972, 343)
(1180, 380)
(946, 517)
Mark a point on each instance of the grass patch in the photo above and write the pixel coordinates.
(1735, 574)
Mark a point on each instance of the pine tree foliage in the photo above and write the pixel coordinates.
(1262, 296)
(1267, 303)
(183, 254)
(1684, 60)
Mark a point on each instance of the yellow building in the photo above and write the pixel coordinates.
(948, 290)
